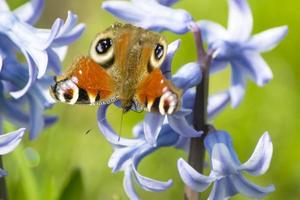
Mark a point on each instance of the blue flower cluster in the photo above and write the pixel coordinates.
(27, 56)
(234, 47)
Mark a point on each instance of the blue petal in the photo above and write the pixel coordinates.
(69, 32)
(9, 141)
(181, 126)
(151, 184)
(108, 132)
(212, 32)
(1, 59)
(260, 160)
(36, 123)
(238, 84)
(240, 21)
(223, 189)
(54, 61)
(145, 182)
(256, 67)
(268, 39)
(249, 189)
(167, 136)
(152, 126)
(150, 15)
(138, 130)
(167, 2)
(216, 103)
(121, 156)
(166, 66)
(192, 178)
(218, 192)
(128, 185)
(188, 98)
(30, 12)
(220, 137)
(217, 65)
(222, 161)
(32, 74)
(188, 76)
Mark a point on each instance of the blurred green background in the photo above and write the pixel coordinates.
(65, 163)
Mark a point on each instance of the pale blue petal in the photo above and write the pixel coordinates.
(267, 40)
(238, 84)
(256, 67)
(152, 126)
(218, 192)
(54, 61)
(217, 65)
(189, 75)
(121, 157)
(260, 160)
(212, 32)
(108, 132)
(150, 15)
(222, 161)
(240, 21)
(220, 137)
(32, 74)
(61, 52)
(145, 182)
(128, 185)
(181, 126)
(70, 37)
(1, 59)
(188, 98)
(36, 121)
(30, 12)
(138, 130)
(167, 2)
(192, 178)
(9, 141)
(124, 10)
(149, 184)
(69, 32)
(249, 189)
(216, 103)
(3, 6)
(166, 66)
(223, 189)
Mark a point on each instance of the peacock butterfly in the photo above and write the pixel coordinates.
(123, 64)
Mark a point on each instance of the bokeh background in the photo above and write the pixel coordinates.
(66, 163)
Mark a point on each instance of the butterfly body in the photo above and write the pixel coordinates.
(124, 65)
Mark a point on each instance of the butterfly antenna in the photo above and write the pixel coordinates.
(101, 120)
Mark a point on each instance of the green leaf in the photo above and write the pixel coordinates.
(74, 187)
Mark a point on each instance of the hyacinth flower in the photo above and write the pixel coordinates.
(226, 169)
(150, 14)
(129, 152)
(37, 99)
(44, 49)
(8, 142)
(236, 46)
(39, 46)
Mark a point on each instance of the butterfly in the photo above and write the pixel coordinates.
(123, 65)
